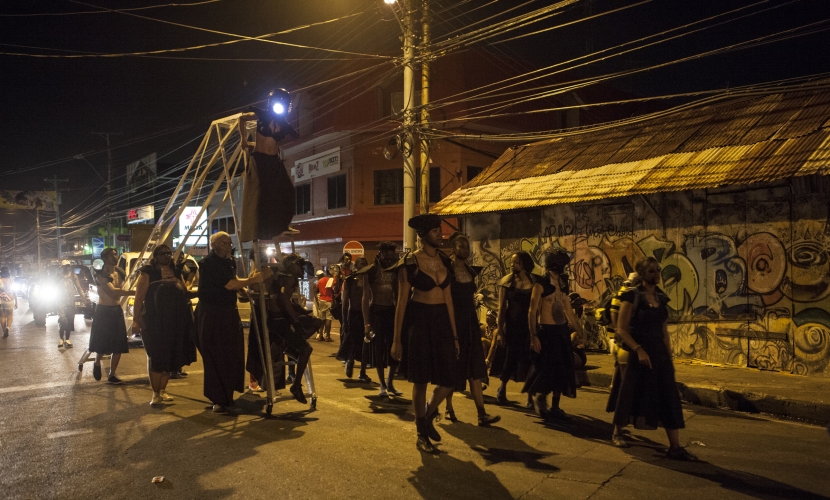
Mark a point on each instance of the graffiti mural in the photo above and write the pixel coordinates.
(748, 287)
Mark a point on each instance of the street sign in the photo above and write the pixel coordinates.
(97, 247)
(355, 248)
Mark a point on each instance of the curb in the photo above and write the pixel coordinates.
(748, 402)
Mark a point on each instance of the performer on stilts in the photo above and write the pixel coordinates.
(268, 199)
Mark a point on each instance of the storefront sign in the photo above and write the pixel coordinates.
(141, 214)
(323, 163)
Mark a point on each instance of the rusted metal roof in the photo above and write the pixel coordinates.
(745, 140)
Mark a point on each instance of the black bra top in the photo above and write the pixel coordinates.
(419, 279)
(263, 125)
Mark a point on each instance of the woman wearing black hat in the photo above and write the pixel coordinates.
(425, 325)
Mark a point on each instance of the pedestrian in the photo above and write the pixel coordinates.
(352, 332)
(345, 264)
(514, 333)
(471, 366)
(220, 337)
(379, 297)
(648, 396)
(68, 286)
(8, 300)
(108, 333)
(550, 313)
(163, 317)
(425, 326)
(323, 299)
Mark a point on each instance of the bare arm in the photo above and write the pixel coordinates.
(141, 286)
(403, 299)
(110, 291)
(533, 316)
(573, 320)
(254, 279)
(626, 311)
(366, 303)
(242, 128)
(502, 318)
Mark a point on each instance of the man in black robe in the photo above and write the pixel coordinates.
(220, 336)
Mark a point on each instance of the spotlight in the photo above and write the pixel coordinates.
(278, 108)
(279, 101)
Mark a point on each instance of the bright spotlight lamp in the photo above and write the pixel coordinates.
(279, 102)
(388, 2)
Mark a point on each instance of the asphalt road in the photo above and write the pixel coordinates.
(63, 435)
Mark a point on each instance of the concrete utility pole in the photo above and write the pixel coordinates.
(106, 135)
(408, 98)
(37, 228)
(55, 182)
(424, 110)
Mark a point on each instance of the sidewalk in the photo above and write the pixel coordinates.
(736, 388)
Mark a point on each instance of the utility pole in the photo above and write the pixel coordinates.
(408, 98)
(424, 110)
(37, 228)
(55, 182)
(106, 135)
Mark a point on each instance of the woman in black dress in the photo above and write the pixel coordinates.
(352, 348)
(164, 318)
(425, 326)
(514, 304)
(471, 366)
(648, 395)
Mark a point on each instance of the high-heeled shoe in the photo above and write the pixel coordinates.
(484, 420)
(450, 415)
(501, 395)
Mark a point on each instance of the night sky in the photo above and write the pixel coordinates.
(50, 107)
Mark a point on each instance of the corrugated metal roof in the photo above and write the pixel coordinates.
(740, 141)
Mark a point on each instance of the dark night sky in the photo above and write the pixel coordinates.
(50, 107)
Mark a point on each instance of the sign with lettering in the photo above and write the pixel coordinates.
(323, 163)
(355, 248)
(141, 214)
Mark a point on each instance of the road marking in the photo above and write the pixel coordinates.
(76, 432)
(69, 383)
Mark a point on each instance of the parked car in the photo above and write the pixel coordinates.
(43, 292)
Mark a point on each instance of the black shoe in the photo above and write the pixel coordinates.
(501, 395)
(182, 373)
(112, 379)
(220, 409)
(175, 375)
(297, 391)
(364, 378)
(484, 420)
(423, 443)
(529, 405)
(349, 369)
(5, 332)
(431, 431)
(96, 372)
(680, 453)
(557, 415)
(450, 415)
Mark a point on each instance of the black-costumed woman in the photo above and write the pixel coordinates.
(425, 325)
(514, 332)
(352, 349)
(471, 366)
(550, 313)
(648, 394)
(165, 320)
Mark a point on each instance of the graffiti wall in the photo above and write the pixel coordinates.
(748, 273)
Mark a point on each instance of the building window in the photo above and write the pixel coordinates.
(221, 224)
(303, 199)
(472, 172)
(337, 191)
(434, 186)
(389, 187)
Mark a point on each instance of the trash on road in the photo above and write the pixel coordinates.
(698, 443)
(158, 479)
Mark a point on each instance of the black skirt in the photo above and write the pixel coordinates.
(553, 367)
(222, 345)
(471, 364)
(108, 334)
(430, 353)
(383, 325)
(168, 336)
(648, 398)
(268, 198)
(351, 349)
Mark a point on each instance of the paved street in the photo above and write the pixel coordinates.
(63, 435)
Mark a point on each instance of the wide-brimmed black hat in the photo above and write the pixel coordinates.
(423, 223)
